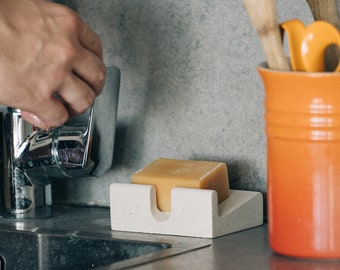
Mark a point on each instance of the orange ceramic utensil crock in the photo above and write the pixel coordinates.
(303, 162)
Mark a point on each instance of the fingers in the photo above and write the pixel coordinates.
(78, 74)
(73, 98)
(90, 69)
(76, 95)
(52, 114)
(89, 65)
(90, 40)
(34, 120)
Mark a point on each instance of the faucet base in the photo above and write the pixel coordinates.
(40, 208)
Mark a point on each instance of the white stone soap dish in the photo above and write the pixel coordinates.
(195, 212)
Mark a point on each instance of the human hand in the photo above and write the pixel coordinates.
(51, 65)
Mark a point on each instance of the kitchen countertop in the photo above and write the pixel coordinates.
(247, 249)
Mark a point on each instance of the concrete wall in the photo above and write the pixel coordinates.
(189, 87)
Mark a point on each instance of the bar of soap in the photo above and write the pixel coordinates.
(165, 174)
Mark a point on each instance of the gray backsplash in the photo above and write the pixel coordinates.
(189, 87)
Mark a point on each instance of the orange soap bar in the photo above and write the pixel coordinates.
(166, 174)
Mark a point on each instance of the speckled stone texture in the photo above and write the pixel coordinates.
(189, 87)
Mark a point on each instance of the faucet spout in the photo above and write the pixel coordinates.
(32, 158)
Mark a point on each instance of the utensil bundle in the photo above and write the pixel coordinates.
(313, 48)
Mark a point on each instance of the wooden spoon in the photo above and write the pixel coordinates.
(263, 15)
(327, 10)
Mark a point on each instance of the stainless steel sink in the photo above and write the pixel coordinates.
(24, 245)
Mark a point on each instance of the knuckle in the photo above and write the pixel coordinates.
(91, 98)
(68, 52)
(91, 40)
(70, 19)
(64, 51)
(100, 79)
(82, 106)
(66, 47)
(87, 103)
(98, 47)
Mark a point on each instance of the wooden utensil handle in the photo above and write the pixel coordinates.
(326, 10)
(263, 15)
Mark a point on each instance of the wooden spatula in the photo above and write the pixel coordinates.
(263, 15)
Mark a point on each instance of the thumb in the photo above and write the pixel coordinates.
(45, 122)
(33, 119)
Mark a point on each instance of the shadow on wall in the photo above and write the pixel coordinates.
(150, 48)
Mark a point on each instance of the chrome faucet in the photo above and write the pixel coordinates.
(31, 158)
